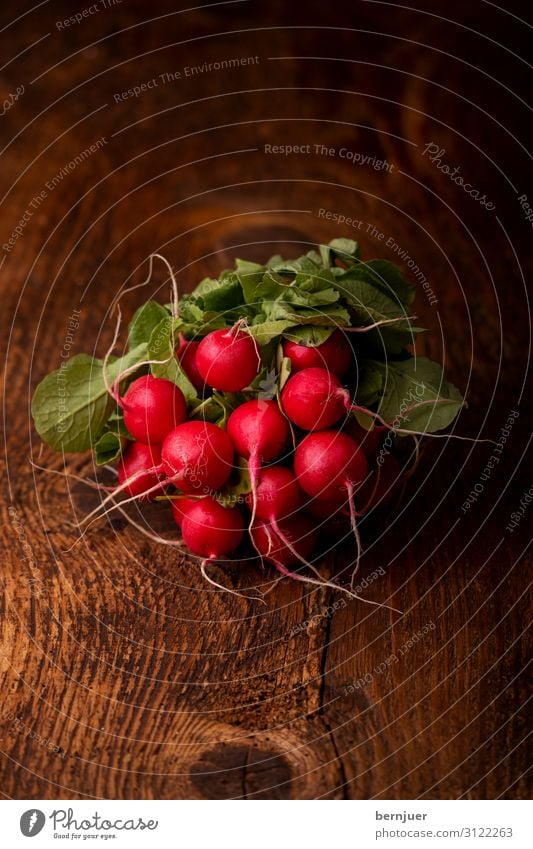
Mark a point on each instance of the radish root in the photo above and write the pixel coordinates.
(118, 489)
(360, 409)
(113, 390)
(87, 481)
(286, 541)
(174, 299)
(355, 530)
(380, 323)
(203, 570)
(254, 468)
(322, 582)
(174, 295)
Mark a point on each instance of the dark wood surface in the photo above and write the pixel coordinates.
(121, 675)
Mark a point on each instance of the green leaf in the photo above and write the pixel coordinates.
(370, 304)
(389, 278)
(311, 285)
(313, 290)
(309, 335)
(268, 384)
(259, 287)
(291, 267)
(315, 257)
(384, 276)
(285, 369)
(415, 396)
(162, 347)
(273, 261)
(143, 322)
(335, 316)
(346, 249)
(113, 440)
(208, 410)
(245, 267)
(115, 423)
(218, 321)
(217, 407)
(204, 286)
(224, 296)
(107, 448)
(189, 311)
(228, 402)
(266, 331)
(71, 405)
(370, 385)
(366, 421)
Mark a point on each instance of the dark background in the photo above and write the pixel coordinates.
(120, 675)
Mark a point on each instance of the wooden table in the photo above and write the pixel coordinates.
(121, 674)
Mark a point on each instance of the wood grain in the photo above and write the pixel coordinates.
(121, 674)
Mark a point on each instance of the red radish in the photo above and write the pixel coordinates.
(328, 463)
(277, 494)
(211, 530)
(300, 532)
(152, 407)
(292, 543)
(197, 457)
(298, 529)
(331, 465)
(180, 505)
(260, 432)
(335, 354)
(313, 399)
(138, 458)
(186, 354)
(228, 360)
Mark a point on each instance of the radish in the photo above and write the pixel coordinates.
(139, 458)
(293, 542)
(180, 505)
(228, 360)
(260, 432)
(211, 530)
(331, 465)
(313, 399)
(335, 354)
(277, 494)
(197, 457)
(186, 354)
(328, 464)
(152, 407)
(298, 529)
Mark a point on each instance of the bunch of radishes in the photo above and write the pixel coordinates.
(258, 412)
(300, 467)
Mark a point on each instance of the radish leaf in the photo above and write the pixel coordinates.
(71, 405)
